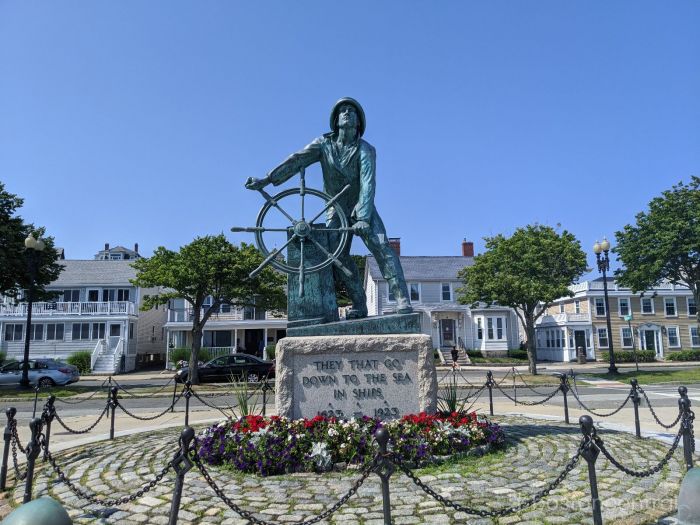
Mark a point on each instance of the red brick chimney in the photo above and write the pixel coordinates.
(136, 247)
(395, 243)
(467, 248)
(106, 246)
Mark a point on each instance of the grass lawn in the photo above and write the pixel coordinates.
(647, 377)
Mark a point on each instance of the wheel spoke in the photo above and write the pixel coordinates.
(343, 229)
(330, 203)
(274, 203)
(302, 191)
(271, 256)
(301, 267)
(331, 257)
(255, 229)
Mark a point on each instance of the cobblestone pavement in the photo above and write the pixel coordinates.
(537, 453)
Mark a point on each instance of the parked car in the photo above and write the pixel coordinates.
(235, 366)
(42, 372)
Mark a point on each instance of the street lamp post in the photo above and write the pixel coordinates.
(33, 248)
(603, 267)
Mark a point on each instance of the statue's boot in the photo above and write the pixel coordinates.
(400, 291)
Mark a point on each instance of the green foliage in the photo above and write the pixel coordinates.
(516, 353)
(684, 355)
(82, 360)
(14, 264)
(627, 356)
(271, 349)
(664, 244)
(180, 354)
(3, 355)
(531, 268)
(341, 292)
(209, 266)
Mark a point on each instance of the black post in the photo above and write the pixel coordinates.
(687, 426)
(181, 464)
(11, 413)
(634, 394)
(36, 398)
(603, 267)
(590, 454)
(515, 392)
(264, 399)
(384, 469)
(47, 416)
(489, 384)
(564, 387)
(33, 450)
(113, 402)
(172, 408)
(188, 395)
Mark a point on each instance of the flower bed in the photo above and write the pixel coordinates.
(274, 445)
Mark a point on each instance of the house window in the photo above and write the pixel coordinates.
(70, 296)
(647, 305)
(557, 338)
(624, 306)
(479, 329)
(94, 295)
(499, 328)
(599, 306)
(98, 330)
(694, 336)
(390, 295)
(123, 294)
(561, 308)
(603, 337)
(692, 307)
(670, 306)
(673, 340)
(81, 331)
(446, 292)
(577, 306)
(14, 332)
(36, 332)
(414, 291)
(626, 337)
(54, 332)
(489, 325)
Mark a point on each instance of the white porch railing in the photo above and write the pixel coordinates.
(44, 309)
(118, 351)
(234, 314)
(565, 318)
(99, 348)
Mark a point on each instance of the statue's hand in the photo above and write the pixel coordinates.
(361, 227)
(256, 184)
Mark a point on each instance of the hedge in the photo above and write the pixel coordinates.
(627, 356)
(81, 360)
(183, 354)
(684, 355)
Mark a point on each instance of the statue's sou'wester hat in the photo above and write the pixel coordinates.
(358, 109)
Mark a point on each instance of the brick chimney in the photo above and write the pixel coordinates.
(467, 248)
(136, 247)
(106, 246)
(395, 243)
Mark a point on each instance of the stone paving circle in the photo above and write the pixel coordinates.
(537, 452)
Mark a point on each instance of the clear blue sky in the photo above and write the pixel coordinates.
(136, 121)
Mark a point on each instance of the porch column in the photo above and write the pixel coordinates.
(235, 340)
(264, 352)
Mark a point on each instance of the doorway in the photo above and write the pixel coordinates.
(447, 332)
(115, 331)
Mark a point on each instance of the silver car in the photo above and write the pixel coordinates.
(42, 372)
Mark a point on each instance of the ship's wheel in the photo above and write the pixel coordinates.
(300, 230)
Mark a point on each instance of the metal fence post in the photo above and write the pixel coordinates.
(564, 387)
(265, 388)
(33, 450)
(515, 391)
(48, 414)
(181, 464)
(590, 453)
(384, 469)
(188, 395)
(11, 413)
(634, 394)
(36, 398)
(687, 426)
(113, 402)
(489, 384)
(172, 408)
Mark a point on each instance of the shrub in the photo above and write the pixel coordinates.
(474, 353)
(180, 354)
(270, 349)
(81, 360)
(517, 353)
(3, 355)
(684, 355)
(643, 356)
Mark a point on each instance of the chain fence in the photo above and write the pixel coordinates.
(574, 391)
(151, 418)
(653, 412)
(84, 431)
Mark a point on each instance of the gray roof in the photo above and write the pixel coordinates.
(85, 273)
(427, 268)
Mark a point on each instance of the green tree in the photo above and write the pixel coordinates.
(664, 244)
(209, 266)
(526, 272)
(16, 273)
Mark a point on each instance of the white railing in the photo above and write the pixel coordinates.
(54, 309)
(99, 347)
(118, 351)
(186, 315)
(565, 318)
(217, 351)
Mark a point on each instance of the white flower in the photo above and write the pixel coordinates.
(332, 432)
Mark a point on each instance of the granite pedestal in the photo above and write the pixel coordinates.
(385, 376)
